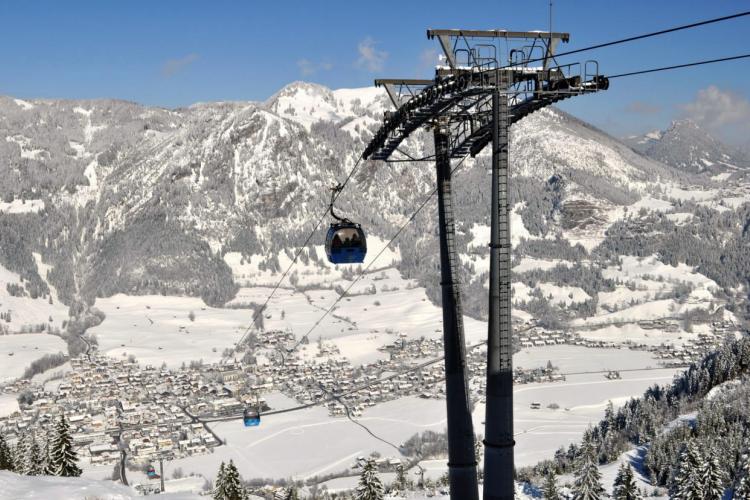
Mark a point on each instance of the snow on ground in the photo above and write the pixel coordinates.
(581, 398)
(634, 333)
(21, 206)
(8, 404)
(690, 194)
(25, 311)
(269, 450)
(379, 306)
(726, 202)
(556, 294)
(657, 309)
(359, 321)
(18, 351)
(158, 329)
(638, 267)
(307, 271)
(17, 487)
(571, 358)
(53, 376)
(274, 448)
(680, 218)
(646, 292)
(530, 264)
(26, 105)
(634, 457)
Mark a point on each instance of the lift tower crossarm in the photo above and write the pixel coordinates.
(449, 38)
(396, 96)
(527, 35)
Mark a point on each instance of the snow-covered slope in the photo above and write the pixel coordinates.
(17, 487)
(686, 146)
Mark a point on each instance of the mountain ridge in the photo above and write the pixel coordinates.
(135, 198)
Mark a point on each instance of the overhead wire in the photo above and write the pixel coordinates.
(367, 267)
(639, 37)
(678, 66)
(423, 204)
(259, 311)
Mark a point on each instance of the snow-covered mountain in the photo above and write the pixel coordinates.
(685, 145)
(117, 197)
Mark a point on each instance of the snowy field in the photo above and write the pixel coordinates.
(26, 311)
(21, 206)
(18, 351)
(332, 444)
(269, 450)
(581, 398)
(8, 404)
(16, 487)
(157, 329)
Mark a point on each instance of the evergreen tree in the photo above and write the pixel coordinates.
(63, 457)
(6, 456)
(742, 485)
(624, 487)
(233, 487)
(49, 469)
(712, 479)
(219, 489)
(588, 484)
(33, 461)
(370, 487)
(549, 489)
(18, 454)
(400, 483)
(687, 484)
(291, 493)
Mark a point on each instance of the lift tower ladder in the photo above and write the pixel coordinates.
(472, 101)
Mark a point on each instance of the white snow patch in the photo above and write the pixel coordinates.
(531, 264)
(18, 351)
(157, 329)
(16, 487)
(26, 105)
(21, 206)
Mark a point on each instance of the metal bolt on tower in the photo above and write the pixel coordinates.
(473, 101)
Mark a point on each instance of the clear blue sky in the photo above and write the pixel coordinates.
(174, 53)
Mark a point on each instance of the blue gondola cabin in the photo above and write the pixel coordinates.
(346, 243)
(251, 418)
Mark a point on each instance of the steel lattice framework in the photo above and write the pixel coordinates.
(472, 101)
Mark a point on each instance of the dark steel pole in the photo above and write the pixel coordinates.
(462, 465)
(498, 440)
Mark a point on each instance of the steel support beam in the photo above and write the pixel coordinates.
(523, 35)
(462, 465)
(498, 454)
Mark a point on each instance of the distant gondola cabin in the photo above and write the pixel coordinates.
(251, 418)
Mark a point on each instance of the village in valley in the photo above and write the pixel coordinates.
(119, 409)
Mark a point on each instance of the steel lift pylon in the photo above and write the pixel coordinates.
(472, 101)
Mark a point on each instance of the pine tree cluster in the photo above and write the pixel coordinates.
(30, 456)
(640, 420)
(624, 487)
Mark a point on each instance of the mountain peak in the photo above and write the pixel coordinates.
(687, 146)
(307, 103)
